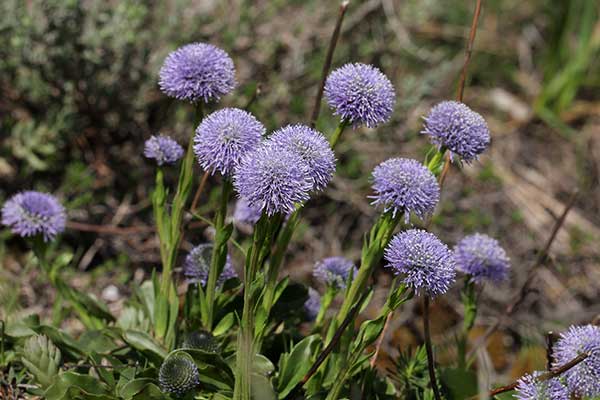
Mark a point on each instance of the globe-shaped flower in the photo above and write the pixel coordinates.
(482, 258)
(360, 94)
(313, 304)
(584, 378)
(163, 150)
(245, 214)
(224, 137)
(273, 179)
(33, 213)
(197, 265)
(459, 129)
(202, 340)
(334, 271)
(425, 262)
(178, 374)
(314, 149)
(529, 388)
(404, 186)
(197, 71)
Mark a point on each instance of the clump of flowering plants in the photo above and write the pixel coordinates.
(220, 331)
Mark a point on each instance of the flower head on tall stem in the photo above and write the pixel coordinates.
(360, 94)
(454, 126)
(403, 186)
(224, 137)
(425, 262)
(197, 266)
(529, 388)
(314, 149)
(584, 378)
(482, 258)
(163, 150)
(32, 213)
(273, 179)
(197, 72)
(334, 271)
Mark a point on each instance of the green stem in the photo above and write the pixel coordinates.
(338, 133)
(219, 253)
(326, 301)
(372, 252)
(469, 299)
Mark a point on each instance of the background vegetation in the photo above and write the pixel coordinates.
(79, 96)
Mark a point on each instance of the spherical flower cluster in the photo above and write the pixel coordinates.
(584, 378)
(482, 258)
(313, 304)
(246, 214)
(163, 150)
(273, 179)
(33, 213)
(360, 94)
(314, 149)
(459, 129)
(404, 186)
(224, 137)
(197, 265)
(178, 374)
(201, 340)
(529, 388)
(334, 271)
(197, 71)
(423, 259)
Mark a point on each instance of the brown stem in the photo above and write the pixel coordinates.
(468, 52)
(334, 341)
(551, 339)
(430, 360)
(327, 65)
(525, 288)
(373, 361)
(199, 192)
(544, 377)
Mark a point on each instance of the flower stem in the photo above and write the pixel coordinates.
(219, 253)
(338, 133)
(430, 360)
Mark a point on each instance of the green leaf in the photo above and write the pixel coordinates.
(224, 326)
(67, 345)
(42, 358)
(262, 389)
(71, 385)
(295, 364)
(134, 387)
(144, 343)
(459, 383)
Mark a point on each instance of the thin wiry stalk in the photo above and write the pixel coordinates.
(327, 65)
(199, 192)
(525, 288)
(544, 377)
(430, 360)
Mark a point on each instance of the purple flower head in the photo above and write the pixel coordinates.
(313, 304)
(245, 214)
(33, 213)
(197, 265)
(482, 258)
(405, 185)
(360, 94)
(584, 378)
(273, 179)
(425, 261)
(529, 388)
(163, 150)
(334, 271)
(314, 149)
(197, 71)
(455, 126)
(224, 137)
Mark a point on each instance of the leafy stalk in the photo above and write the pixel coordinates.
(469, 299)
(219, 253)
